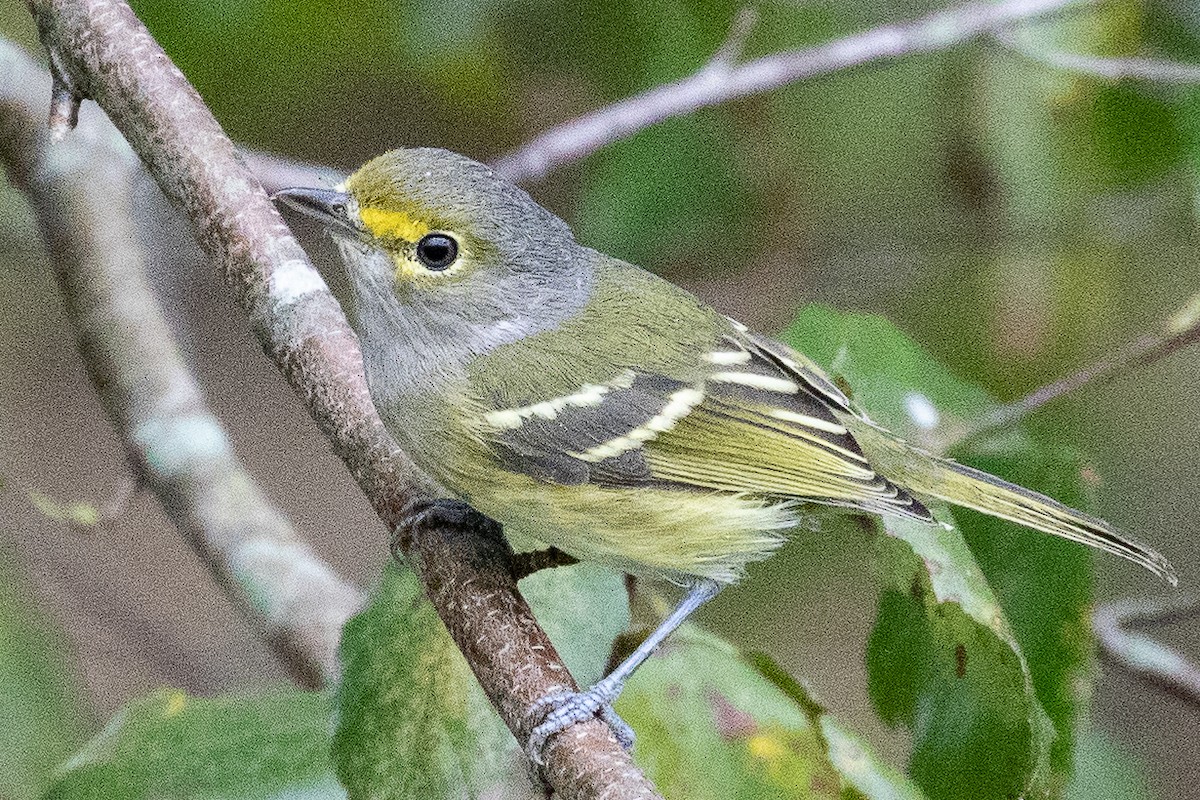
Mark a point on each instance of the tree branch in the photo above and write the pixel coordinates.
(278, 172)
(81, 191)
(1142, 655)
(113, 60)
(1130, 68)
(1181, 330)
(526, 564)
(721, 80)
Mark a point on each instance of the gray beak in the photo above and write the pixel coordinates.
(327, 205)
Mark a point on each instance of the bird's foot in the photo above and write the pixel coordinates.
(448, 513)
(560, 710)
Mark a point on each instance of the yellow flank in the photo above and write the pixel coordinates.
(385, 223)
(660, 533)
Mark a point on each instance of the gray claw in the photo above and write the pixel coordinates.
(566, 708)
(620, 728)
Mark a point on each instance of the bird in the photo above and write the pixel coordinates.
(587, 404)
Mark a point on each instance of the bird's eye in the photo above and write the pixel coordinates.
(437, 251)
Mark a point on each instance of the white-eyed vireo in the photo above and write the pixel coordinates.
(585, 403)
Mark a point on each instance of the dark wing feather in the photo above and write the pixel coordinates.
(548, 445)
(796, 365)
(752, 417)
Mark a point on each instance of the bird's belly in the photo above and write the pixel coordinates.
(672, 534)
(677, 534)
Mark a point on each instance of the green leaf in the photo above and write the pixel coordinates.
(868, 777)
(1104, 770)
(42, 723)
(622, 209)
(887, 371)
(943, 661)
(713, 725)
(170, 745)
(1045, 586)
(944, 657)
(582, 608)
(412, 720)
(1137, 136)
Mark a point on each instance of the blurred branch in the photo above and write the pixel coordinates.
(113, 60)
(721, 79)
(1181, 330)
(1142, 69)
(278, 172)
(1142, 655)
(81, 191)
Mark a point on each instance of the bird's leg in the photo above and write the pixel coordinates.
(567, 708)
(451, 513)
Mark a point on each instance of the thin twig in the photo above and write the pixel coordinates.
(116, 62)
(128, 486)
(65, 100)
(720, 81)
(526, 564)
(730, 51)
(1109, 68)
(81, 192)
(279, 172)
(1182, 330)
(1142, 655)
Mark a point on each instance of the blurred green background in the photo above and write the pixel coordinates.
(1017, 221)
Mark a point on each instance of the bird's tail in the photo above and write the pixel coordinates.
(929, 476)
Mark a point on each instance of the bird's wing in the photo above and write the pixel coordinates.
(745, 415)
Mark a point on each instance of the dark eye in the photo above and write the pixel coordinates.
(437, 251)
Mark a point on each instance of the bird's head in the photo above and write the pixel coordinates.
(440, 218)
(447, 260)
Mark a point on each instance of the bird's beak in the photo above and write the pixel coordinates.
(330, 206)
